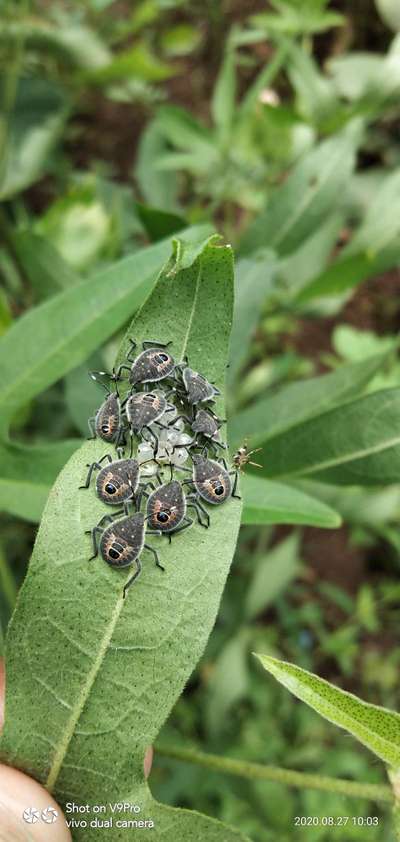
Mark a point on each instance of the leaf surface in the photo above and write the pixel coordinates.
(354, 444)
(27, 474)
(81, 716)
(376, 727)
(310, 193)
(56, 336)
(288, 406)
(274, 502)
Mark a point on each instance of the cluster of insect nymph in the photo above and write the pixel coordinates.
(168, 410)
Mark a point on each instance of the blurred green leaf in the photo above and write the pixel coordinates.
(42, 264)
(274, 502)
(296, 270)
(180, 40)
(159, 223)
(289, 405)
(5, 313)
(254, 282)
(313, 189)
(71, 42)
(375, 727)
(139, 62)
(31, 131)
(357, 443)
(78, 225)
(224, 94)
(27, 474)
(81, 395)
(56, 336)
(158, 188)
(374, 247)
(229, 680)
(272, 575)
(297, 18)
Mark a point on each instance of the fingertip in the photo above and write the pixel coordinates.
(27, 811)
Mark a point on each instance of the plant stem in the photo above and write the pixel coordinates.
(289, 777)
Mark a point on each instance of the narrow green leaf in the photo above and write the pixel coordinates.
(357, 443)
(313, 189)
(273, 573)
(138, 653)
(254, 282)
(27, 474)
(229, 680)
(223, 99)
(289, 405)
(373, 248)
(59, 334)
(375, 727)
(38, 116)
(158, 188)
(274, 502)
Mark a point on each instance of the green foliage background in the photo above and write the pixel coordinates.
(124, 126)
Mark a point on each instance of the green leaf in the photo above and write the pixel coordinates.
(27, 474)
(375, 727)
(158, 188)
(32, 128)
(42, 264)
(56, 336)
(313, 189)
(75, 44)
(139, 62)
(298, 269)
(357, 443)
(138, 653)
(273, 502)
(288, 406)
(229, 680)
(223, 99)
(181, 39)
(374, 247)
(254, 282)
(159, 223)
(273, 572)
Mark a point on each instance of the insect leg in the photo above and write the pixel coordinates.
(92, 429)
(198, 507)
(236, 475)
(97, 531)
(92, 467)
(132, 579)
(150, 344)
(132, 348)
(155, 553)
(122, 367)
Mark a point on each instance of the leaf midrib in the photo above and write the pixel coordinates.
(348, 457)
(307, 200)
(107, 637)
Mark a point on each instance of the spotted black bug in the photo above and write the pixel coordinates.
(117, 482)
(120, 543)
(212, 480)
(153, 364)
(242, 457)
(146, 408)
(166, 509)
(207, 424)
(197, 388)
(107, 423)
